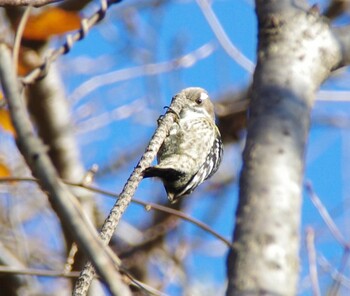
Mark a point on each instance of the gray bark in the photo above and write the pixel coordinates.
(65, 204)
(297, 51)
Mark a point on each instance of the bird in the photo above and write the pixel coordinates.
(192, 151)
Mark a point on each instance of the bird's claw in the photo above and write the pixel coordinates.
(169, 109)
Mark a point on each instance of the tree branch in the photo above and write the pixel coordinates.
(223, 39)
(35, 3)
(9, 260)
(310, 245)
(130, 187)
(64, 203)
(71, 39)
(147, 205)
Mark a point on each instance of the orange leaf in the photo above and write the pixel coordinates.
(5, 122)
(51, 21)
(4, 170)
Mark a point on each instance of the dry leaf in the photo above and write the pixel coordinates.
(5, 122)
(51, 21)
(4, 170)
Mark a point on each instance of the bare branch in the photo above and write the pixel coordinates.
(337, 279)
(310, 243)
(325, 216)
(8, 260)
(105, 118)
(10, 270)
(64, 203)
(130, 187)
(147, 205)
(38, 272)
(35, 3)
(19, 34)
(184, 61)
(87, 179)
(334, 273)
(71, 39)
(334, 96)
(222, 37)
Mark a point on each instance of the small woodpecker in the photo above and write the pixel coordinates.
(192, 151)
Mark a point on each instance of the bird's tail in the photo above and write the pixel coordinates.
(166, 174)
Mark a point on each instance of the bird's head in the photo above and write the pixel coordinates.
(197, 103)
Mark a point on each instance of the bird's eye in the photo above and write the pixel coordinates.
(199, 101)
(203, 96)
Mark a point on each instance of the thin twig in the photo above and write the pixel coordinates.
(222, 37)
(147, 205)
(333, 95)
(205, 227)
(70, 258)
(35, 3)
(71, 274)
(38, 272)
(310, 244)
(337, 280)
(184, 61)
(111, 116)
(325, 216)
(19, 34)
(87, 180)
(327, 267)
(71, 39)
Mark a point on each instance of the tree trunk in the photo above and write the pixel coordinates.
(296, 53)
